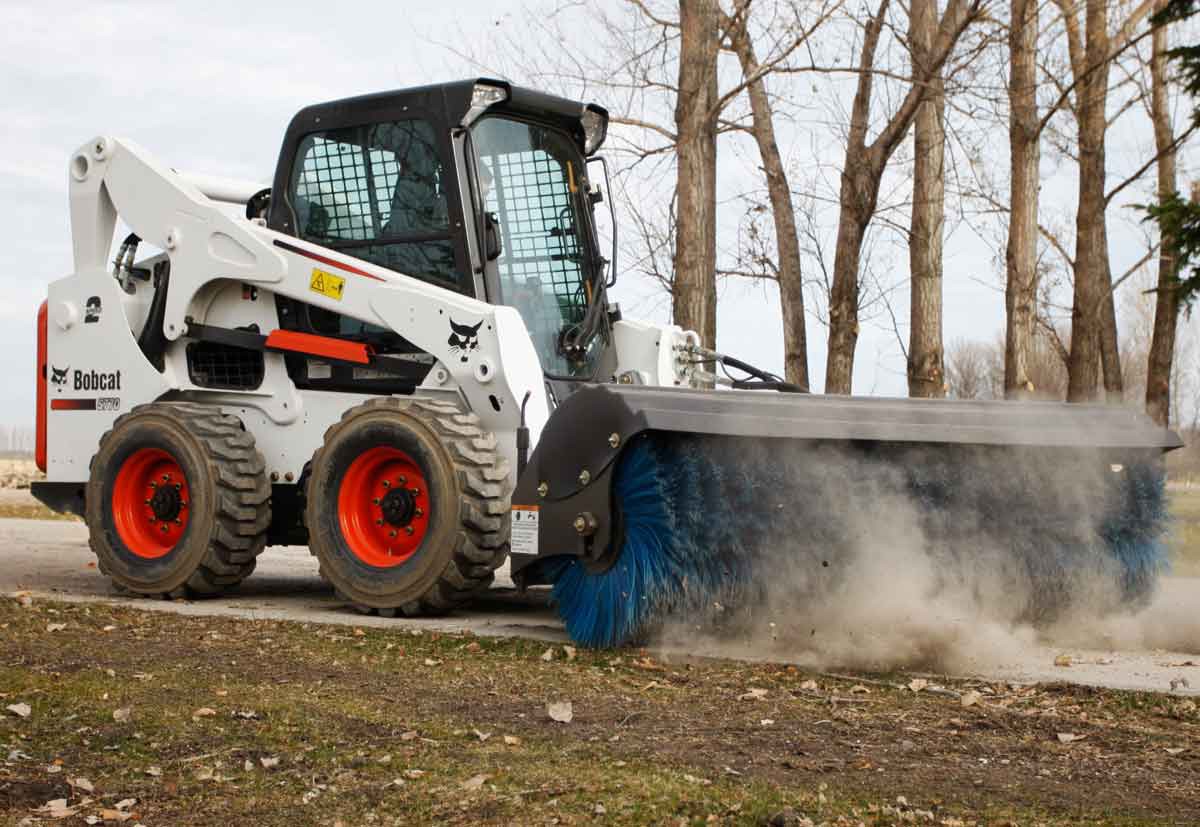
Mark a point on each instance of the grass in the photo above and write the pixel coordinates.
(265, 723)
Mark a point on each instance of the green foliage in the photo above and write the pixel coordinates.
(1180, 219)
(1177, 217)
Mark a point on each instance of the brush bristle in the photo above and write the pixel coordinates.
(710, 522)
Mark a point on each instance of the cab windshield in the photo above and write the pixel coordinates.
(532, 179)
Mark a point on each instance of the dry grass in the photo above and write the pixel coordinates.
(268, 723)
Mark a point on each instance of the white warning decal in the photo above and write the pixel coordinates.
(524, 530)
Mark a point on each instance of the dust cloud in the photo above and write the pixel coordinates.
(954, 561)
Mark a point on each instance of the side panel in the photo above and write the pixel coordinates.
(39, 450)
(95, 371)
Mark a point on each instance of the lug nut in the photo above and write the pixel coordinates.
(164, 527)
(147, 501)
(408, 529)
(379, 522)
(614, 439)
(153, 520)
(387, 484)
(585, 476)
(178, 521)
(416, 492)
(402, 479)
(392, 533)
(178, 487)
(153, 484)
(543, 489)
(375, 500)
(419, 513)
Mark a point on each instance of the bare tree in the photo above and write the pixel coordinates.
(695, 286)
(1166, 311)
(926, 372)
(1024, 137)
(788, 270)
(863, 169)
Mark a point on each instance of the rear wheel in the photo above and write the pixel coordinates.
(178, 503)
(406, 507)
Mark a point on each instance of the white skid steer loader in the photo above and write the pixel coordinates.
(403, 356)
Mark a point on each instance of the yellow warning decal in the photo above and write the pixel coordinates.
(327, 284)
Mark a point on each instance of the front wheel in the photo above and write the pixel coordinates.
(406, 506)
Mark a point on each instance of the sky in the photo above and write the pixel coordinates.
(210, 87)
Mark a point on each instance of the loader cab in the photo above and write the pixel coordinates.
(476, 187)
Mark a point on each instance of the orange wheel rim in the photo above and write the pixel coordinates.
(383, 507)
(151, 503)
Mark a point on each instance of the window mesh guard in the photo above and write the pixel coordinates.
(541, 266)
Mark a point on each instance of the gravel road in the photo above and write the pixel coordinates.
(52, 559)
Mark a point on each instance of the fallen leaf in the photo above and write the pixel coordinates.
(248, 765)
(246, 714)
(512, 740)
(970, 698)
(859, 689)
(122, 715)
(359, 633)
(475, 782)
(55, 627)
(203, 712)
(115, 815)
(766, 722)
(411, 735)
(482, 736)
(153, 772)
(809, 685)
(1175, 750)
(1184, 663)
(917, 684)
(20, 710)
(599, 809)
(473, 647)
(1069, 737)
(268, 763)
(125, 803)
(57, 808)
(548, 655)
(1062, 660)
(560, 711)
(81, 784)
(752, 694)
(432, 662)
(413, 773)
(570, 652)
(691, 779)
(109, 628)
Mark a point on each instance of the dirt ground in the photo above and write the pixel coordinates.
(166, 720)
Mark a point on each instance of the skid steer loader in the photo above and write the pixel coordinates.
(403, 355)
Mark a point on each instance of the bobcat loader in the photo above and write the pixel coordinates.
(402, 354)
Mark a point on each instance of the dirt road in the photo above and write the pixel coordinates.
(51, 558)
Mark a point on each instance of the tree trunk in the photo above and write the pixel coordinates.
(926, 371)
(1090, 255)
(791, 288)
(695, 288)
(1166, 306)
(1110, 347)
(1020, 294)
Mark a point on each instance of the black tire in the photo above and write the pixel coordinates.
(465, 536)
(222, 521)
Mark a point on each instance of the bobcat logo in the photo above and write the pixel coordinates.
(59, 377)
(463, 339)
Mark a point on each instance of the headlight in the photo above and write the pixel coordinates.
(595, 127)
(484, 95)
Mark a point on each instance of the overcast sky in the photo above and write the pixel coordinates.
(209, 87)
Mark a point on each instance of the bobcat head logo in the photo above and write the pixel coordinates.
(463, 339)
(59, 377)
